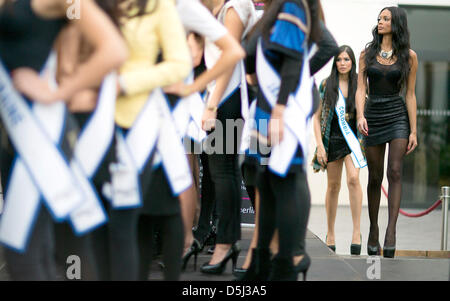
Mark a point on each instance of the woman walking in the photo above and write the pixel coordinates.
(387, 66)
(333, 148)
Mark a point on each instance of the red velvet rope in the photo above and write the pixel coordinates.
(434, 206)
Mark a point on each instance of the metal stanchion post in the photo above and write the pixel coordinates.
(445, 199)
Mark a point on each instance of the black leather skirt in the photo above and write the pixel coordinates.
(387, 119)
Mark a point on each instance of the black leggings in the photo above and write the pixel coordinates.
(207, 202)
(172, 246)
(225, 171)
(285, 205)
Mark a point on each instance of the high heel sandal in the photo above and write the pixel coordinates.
(218, 268)
(303, 266)
(193, 250)
(355, 249)
(332, 247)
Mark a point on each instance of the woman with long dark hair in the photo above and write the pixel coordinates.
(333, 149)
(28, 30)
(388, 66)
(285, 33)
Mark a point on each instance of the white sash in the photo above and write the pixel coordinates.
(133, 151)
(170, 151)
(296, 115)
(39, 168)
(237, 81)
(188, 114)
(249, 124)
(92, 145)
(357, 156)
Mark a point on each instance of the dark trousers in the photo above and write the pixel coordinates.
(285, 205)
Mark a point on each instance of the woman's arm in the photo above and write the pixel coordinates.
(177, 61)
(236, 28)
(360, 97)
(321, 153)
(100, 32)
(328, 48)
(411, 103)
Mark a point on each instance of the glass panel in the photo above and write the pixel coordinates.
(428, 167)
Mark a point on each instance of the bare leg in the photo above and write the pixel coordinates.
(254, 242)
(188, 203)
(355, 192)
(334, 175)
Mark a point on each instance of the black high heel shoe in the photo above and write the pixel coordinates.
(193, 250)
(355, 249)
(303, 266)
(374, 250)
(389, 252)
(332, 247)
(217, 269)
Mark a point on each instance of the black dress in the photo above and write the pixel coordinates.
(385, 112)
(338, 147)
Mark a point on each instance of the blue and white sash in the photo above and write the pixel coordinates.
(188, 114)
(170, 150)
(296, 115)
(357, 156)
(40, 167)
(237, 81)
(133, 151)
(92, 145)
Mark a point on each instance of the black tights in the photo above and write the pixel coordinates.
(285, 205)
(375, 163)
(172, 246)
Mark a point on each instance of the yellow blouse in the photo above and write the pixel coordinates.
(147, 35)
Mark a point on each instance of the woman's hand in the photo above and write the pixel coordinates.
(180, 89)
(209, 119)
(322, 155)
(276, 125)
(412, 143)
(362, 126)
(29, 83)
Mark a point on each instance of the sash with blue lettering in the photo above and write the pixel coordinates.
(357, 155)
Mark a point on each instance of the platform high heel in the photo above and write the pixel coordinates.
(355, 249)
(389, 252)
(217, 269)
(373, 250)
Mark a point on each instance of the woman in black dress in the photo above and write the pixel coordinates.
(332, 148)
(389, 66)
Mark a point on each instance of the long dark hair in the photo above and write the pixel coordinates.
(400, 43)
(114, 9)
(332, 82)
(270, 15)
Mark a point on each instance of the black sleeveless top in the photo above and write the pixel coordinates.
(26, 39)
(384, 79)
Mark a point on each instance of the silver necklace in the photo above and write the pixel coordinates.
(386, 54)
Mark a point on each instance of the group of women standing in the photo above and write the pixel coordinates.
(126, 67)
